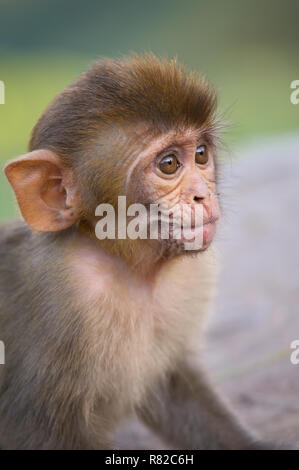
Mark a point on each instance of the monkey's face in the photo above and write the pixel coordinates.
(177, 170)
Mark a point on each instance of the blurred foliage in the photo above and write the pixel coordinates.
(248, 49)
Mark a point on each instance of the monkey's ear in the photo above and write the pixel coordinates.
(44, 189)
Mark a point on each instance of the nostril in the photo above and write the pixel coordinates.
(198, 199)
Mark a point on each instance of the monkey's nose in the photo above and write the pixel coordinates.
(198, 199)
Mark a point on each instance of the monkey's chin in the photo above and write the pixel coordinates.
(184, 246)
(207, 233)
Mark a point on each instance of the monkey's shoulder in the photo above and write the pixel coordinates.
(13, 234)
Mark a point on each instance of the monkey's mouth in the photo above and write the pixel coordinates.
(206, 222)
(206, 232)
(181, 235)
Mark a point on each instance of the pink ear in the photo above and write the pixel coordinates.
(44, 189)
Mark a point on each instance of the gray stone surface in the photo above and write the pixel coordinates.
(257, 307)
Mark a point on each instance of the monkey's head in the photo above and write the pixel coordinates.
(139, 127)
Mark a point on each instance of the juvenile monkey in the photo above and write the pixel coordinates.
(95, 330)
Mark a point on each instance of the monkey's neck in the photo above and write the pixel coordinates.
(133, 257)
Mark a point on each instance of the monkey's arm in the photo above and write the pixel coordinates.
(187, 412)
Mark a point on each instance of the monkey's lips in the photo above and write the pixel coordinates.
(205, 232)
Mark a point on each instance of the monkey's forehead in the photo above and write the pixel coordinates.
(142, 141)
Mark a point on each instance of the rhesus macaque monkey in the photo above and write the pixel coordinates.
(95, 330)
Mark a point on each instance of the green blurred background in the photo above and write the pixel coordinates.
(248, 49)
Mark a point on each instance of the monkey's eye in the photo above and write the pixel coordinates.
(202, 155)
(169, 164)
